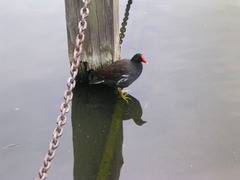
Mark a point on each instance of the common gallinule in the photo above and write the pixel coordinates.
(120, 74)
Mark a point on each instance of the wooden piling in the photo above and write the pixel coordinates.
(97, 133)
(101, 44)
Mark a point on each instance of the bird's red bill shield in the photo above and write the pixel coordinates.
(143, 59)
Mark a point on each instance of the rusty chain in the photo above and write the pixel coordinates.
(68, 95)
(124, 23)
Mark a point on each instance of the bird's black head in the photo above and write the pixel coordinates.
(139, 58)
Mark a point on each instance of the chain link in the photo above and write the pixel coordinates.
(124, 23)
(68, 95)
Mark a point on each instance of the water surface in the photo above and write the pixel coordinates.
(189, 91)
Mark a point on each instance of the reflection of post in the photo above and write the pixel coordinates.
(109, 166)
(112, 155)
(92, 111)
(97, 131)
(101, 44)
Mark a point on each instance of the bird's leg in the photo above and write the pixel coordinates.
(123, 94)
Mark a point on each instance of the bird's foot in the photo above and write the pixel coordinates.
(123, 94)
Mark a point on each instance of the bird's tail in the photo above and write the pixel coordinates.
(93, 78)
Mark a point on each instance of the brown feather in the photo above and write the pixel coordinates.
(115, 72)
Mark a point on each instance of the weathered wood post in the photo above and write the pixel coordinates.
(101, 44)
(97, 143)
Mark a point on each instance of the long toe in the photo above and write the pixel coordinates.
(125, 96)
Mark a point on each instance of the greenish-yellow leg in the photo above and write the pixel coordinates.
(123, 95)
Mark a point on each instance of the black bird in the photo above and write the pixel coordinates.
(120, 74)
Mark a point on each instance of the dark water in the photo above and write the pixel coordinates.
(189, 91)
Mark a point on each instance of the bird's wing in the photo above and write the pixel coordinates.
(123, 79)
(116, 71)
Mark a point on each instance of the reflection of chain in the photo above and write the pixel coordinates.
(124, 23)
(68, 95)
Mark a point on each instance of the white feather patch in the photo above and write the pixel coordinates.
(124, 79)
